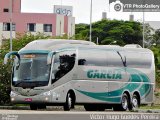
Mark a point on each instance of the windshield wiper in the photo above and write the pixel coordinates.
(26, 79)
(16, 85)
(22, 81)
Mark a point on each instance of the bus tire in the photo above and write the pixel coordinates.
(69, 102)
(134, 103)
(124, 104)
(33, 107)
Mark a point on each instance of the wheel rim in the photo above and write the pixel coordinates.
(69, 101)
(124, 103)
(135, 102)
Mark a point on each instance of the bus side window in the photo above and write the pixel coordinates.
(63, 63)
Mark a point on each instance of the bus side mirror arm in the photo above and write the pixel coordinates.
(7, 56)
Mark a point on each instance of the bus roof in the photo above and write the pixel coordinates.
(56, 44)
(118, 48)
(50, 44)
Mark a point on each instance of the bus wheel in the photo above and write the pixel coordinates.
(124, 104)
(135, 103)
(69, 102)
(33, 107)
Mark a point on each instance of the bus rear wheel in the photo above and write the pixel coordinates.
(69, 102)
(134, 103)
(124, 104)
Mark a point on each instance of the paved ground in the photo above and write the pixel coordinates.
(57, 113)
(75, 115)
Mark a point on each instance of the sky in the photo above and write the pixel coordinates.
(81, 10)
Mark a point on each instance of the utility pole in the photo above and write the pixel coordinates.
(90, 36)
(143, 24)
(97, 41)
(143, 29)
(10, 10)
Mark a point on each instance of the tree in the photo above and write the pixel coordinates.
(148, 35)
(156, 37)
(124, 32)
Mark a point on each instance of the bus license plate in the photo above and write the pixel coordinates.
(28, 99)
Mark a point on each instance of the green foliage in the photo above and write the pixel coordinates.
(5, 75)
(5, 71)
(156, 37)
(22, 40)
(156, 51)
(148, 30)
(124, 32)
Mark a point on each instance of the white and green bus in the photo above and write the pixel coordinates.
(74, 72)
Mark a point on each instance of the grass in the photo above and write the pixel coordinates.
(157, 94)
(150, 107)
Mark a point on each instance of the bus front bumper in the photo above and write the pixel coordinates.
(19, 99)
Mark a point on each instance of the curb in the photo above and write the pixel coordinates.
(49, 108)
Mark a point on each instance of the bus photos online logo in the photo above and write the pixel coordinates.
(134, 5)
(115, 6)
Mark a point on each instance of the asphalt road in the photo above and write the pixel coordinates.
(75, 115)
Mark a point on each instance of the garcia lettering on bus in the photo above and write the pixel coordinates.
(105, 74)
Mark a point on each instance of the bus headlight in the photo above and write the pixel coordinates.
(13, 94)
(48, 93)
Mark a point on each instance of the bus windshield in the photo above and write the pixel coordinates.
(32, 71)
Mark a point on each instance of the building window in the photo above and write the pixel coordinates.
(31, 27)
(5, 10)
(6, 26)
(47, 27)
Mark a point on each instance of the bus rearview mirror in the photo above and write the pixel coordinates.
(7, 56)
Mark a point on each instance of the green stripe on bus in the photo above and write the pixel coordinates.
(114, 96)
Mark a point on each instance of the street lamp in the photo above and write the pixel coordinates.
(90, 36)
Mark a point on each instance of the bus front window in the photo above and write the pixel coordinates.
(63, 63)
(33, 71)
